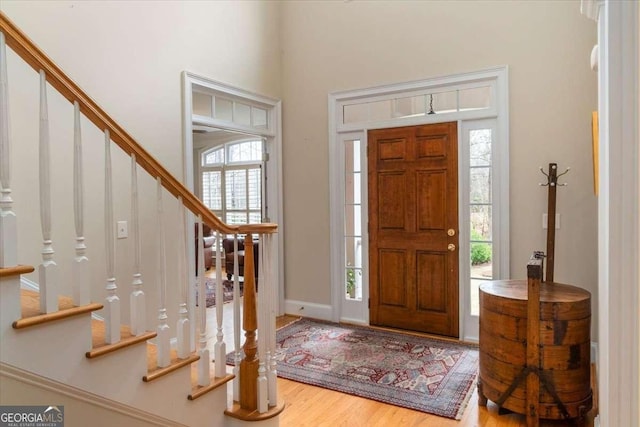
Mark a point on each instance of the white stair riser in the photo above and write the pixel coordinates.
(56, 350)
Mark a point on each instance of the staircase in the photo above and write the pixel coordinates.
(68, 339)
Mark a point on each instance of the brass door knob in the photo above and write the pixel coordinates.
(451, 232)
(451, 247)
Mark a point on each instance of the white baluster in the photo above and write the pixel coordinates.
(269, 288)
(183, 327)
(163, 338)
(204, 375)
(263, 394)
(237, 357)
(112, 302)
(8, 225)
(48, 271)
(220, 348)
(137, 300)
(81, 286)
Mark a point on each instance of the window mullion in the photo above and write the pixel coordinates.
(223, 192)
(246, 192)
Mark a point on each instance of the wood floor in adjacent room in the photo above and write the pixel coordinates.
(312, 406)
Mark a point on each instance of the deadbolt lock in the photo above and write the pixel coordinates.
(451, 232)
(451, 247)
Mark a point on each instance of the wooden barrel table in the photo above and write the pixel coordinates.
(564, 348)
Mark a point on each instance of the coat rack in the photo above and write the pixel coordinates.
(552, 183)
(543, 371)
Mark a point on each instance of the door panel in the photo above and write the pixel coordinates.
(392, 216)
(431, 288)
(392, 271)
(431, 198)
(392, 149)
(430, 146)
(413, 202)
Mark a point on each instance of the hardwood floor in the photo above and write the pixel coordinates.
(307, 405)
(314, 406)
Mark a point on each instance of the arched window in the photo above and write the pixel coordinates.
(232, 181)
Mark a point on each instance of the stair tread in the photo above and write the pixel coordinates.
(242, 414)
(198, 391)
(31, 314)
(153, 372)
(16, 270)
(31, 303)
(99, 345)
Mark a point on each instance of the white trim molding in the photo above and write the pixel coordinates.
(272, 133)
(344, 126)
(590, 8)
(618, 214)
(84, 396)
(308, 309)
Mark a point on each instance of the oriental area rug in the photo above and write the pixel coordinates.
(210, 290)
(424, 374)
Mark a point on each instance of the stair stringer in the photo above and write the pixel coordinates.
(19, 387)
(56, 351)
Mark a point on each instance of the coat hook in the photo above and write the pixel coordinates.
(563, 173)
(545, 174)
(552, 177)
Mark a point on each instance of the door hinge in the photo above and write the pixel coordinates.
(368, 302)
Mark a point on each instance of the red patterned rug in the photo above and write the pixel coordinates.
(210, 288)
(424, 374)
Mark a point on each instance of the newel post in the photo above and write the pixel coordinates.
(249, 365)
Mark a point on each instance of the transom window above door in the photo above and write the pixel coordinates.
(231, 177)
(228, 109)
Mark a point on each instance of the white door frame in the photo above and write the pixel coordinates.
(272, 133)
(618, 210)
(498, 77)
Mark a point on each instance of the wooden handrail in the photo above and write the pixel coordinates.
(38, 60)
(32, 55)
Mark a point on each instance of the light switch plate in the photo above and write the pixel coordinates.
(544, 221)
(123, 230)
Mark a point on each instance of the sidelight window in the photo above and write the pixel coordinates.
(480, 212)
(353, 221)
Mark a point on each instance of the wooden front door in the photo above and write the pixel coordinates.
(413, 228)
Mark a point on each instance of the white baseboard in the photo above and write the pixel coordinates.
(358, 322)
(308, 309)
(29, 284)
(82, 395)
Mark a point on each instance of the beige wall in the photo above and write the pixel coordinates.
(128, 56)
(331, 46)
(300, 52)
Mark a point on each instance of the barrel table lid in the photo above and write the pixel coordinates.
(549, 292)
